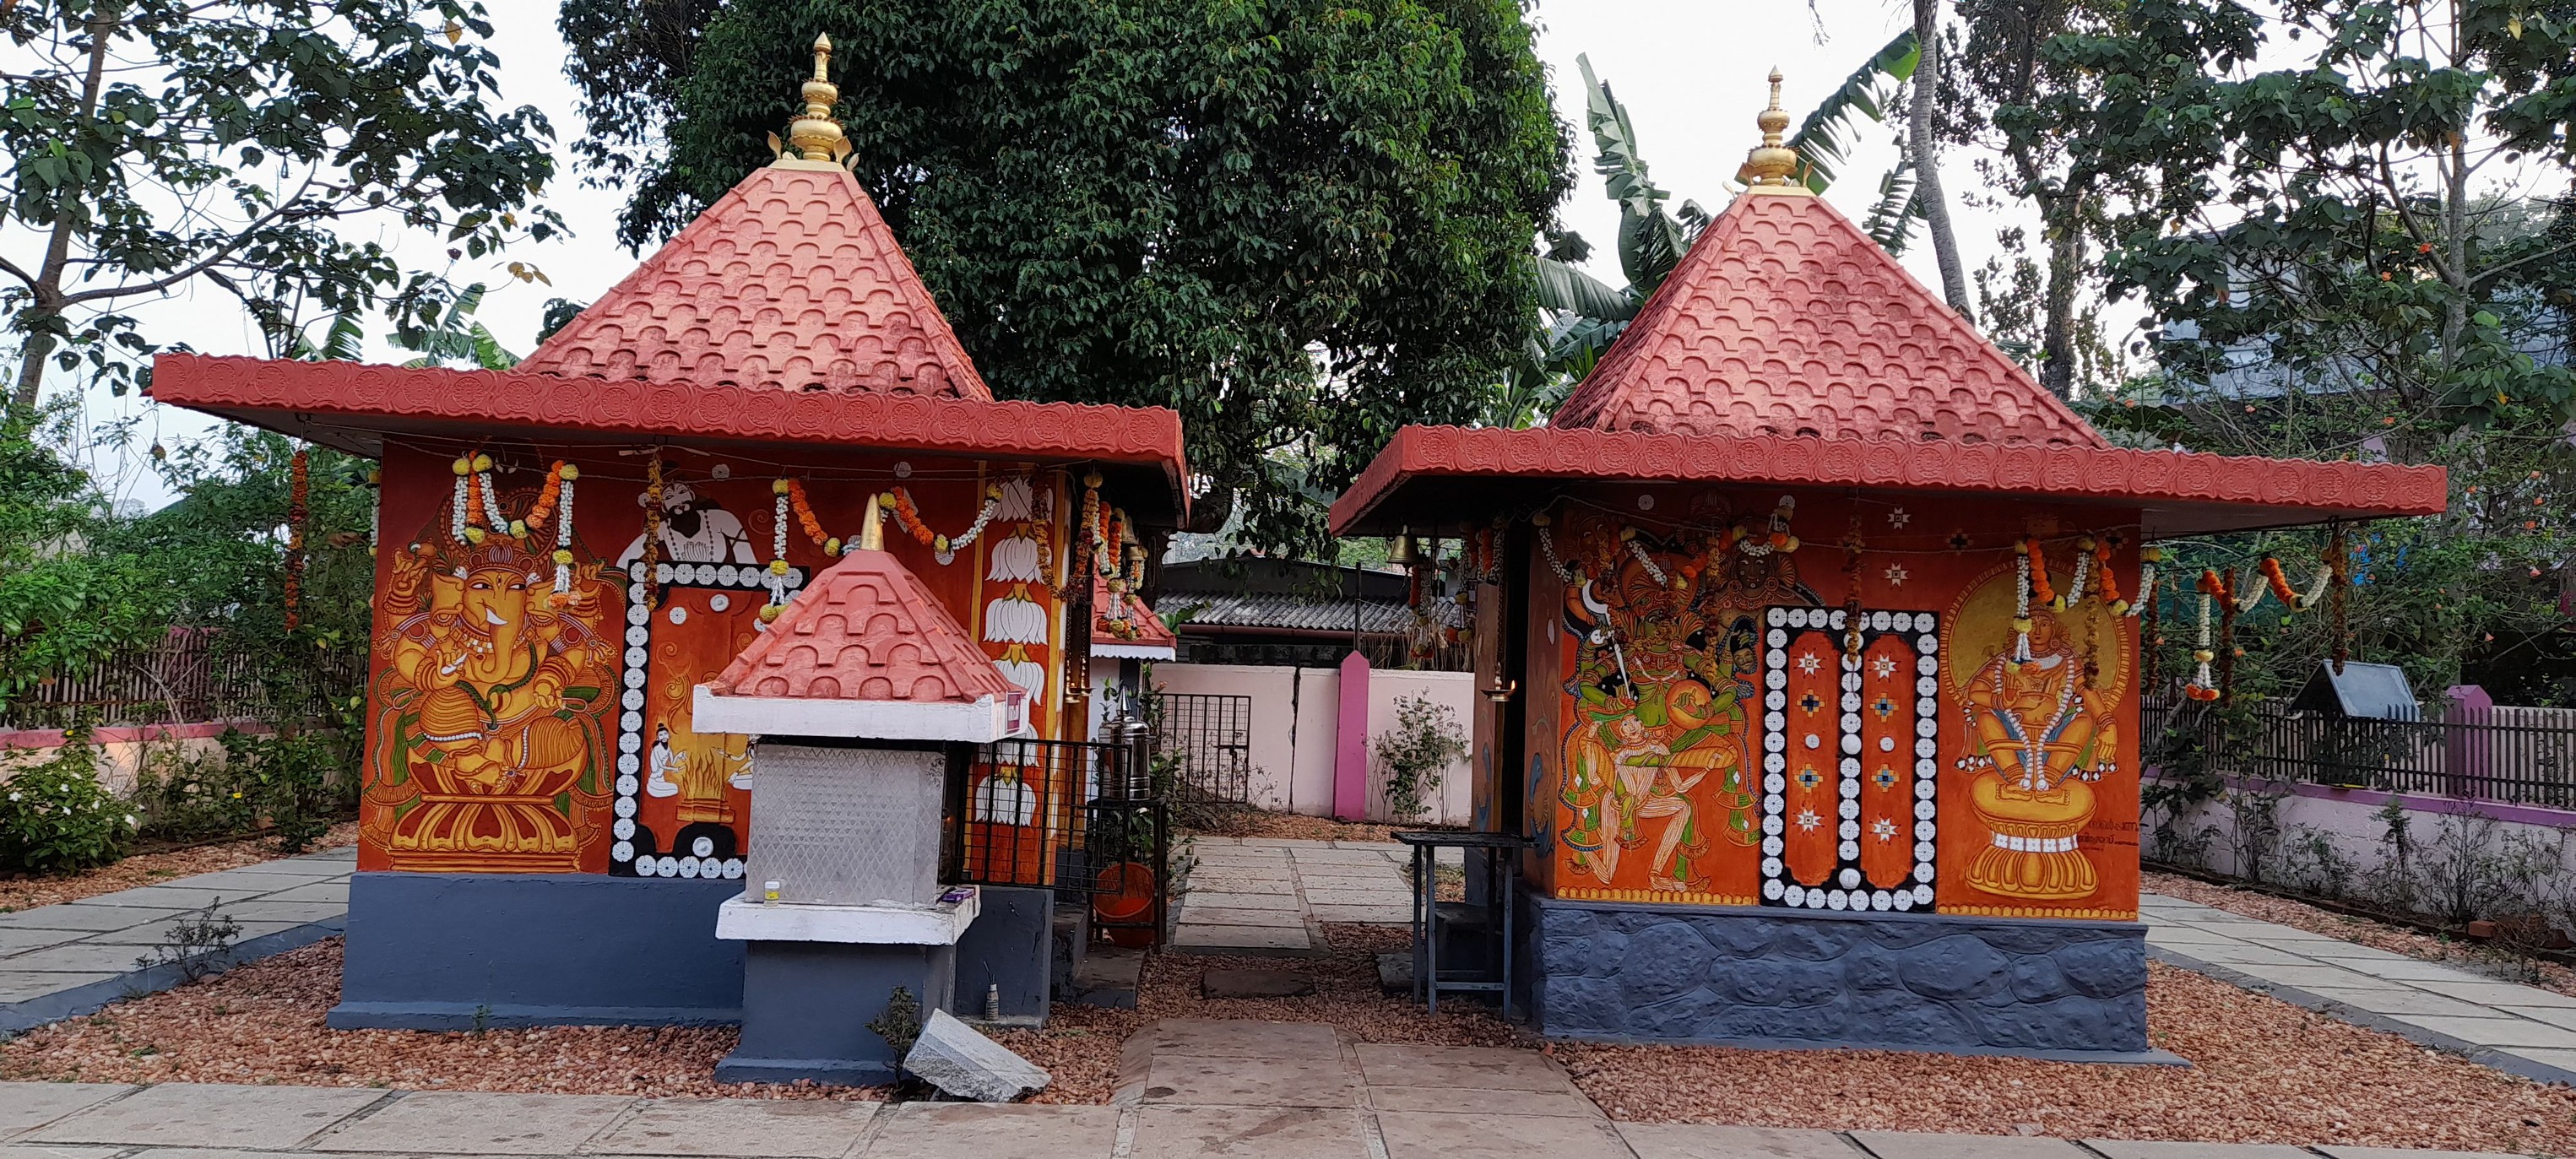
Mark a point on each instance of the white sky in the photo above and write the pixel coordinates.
(1692, 73)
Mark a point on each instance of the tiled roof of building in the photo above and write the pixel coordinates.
(1786, 319)
(790, 281)
(1142, 628)
(1253, 610)
(865, 629)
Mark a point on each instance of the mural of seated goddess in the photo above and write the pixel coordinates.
(2041, 733)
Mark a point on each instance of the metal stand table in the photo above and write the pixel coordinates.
(1431, 921)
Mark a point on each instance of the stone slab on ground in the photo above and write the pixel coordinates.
(739, 1129)
(958, 1060)
(993, 1131)
(1247, 1133)
(1271, 896)
(27, 1106)
(211, 1115)
(1231, 983)
(2489, 1020)
(1445, 1135)
(1918, 1145)
(2116, 1149)
(1691, 1141)
(61, 961)
(478, 1123)
(1108, 976)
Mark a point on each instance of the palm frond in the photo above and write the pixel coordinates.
(1824, 139)
(1651, 242)
(342, 341)
(1892, 219)
(1568, 290)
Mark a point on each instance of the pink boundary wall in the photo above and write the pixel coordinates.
(1350, 751)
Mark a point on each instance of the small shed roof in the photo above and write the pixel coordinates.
(1123, 628)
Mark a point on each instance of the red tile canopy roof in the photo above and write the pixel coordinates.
(1788, 349)
(791, 281)
(865, 634)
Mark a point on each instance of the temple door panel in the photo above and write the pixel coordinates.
(1849, 740)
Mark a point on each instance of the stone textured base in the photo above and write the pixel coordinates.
(462, 951)
(1778, 978)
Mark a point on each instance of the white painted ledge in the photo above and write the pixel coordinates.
(741, 919)
(1127, 651)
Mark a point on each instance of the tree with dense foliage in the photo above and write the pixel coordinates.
(155, 145)
(1300, 224)
(2325, 205)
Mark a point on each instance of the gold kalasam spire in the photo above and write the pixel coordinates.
(872, 528)
(816, 136)
(1773, 164)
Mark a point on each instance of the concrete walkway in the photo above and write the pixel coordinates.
(1242, 1090)
(1269, 895)
(57, 961)
(2521, 1030)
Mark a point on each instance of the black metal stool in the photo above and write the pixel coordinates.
(1432, 918)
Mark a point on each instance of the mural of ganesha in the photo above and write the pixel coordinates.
(1662, 687)
(491, 695)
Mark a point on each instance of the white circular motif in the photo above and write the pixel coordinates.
(1775, 721)
(1923, 893)
(631, 721)
(1645, 502)
(1813, 741)
(1927, 644)
(1771, 847)
(1773, 803)
(688, 867)
(635, 678)
(628, 742)
(1851, 788)
(635, 657)
(638, 636)
(1878, 621)
(637, 613)
(1838, 899)
(1775, 783)
(1771, 889)
(1851, 722)
(625, 806)
(623, 829)
(632, 700)
(1779, 658)
(1770, 867)
(1926, 726)
(1923, 829)
(1851, 879)
(1923, 810)
(1851, 677)
(1851, 766)
(1776, 638)
(627, 764)
(1904, 900)
(1836, 620)
(1887, 744)
(1851, 742)
(627, 784)
(679, 615)
(719, 602)
(667, 865)
(1774, 741)
(1927, 707)
(644, 867)
(1773, 825)
(1923, 851)
(1772, 762)
(1797, 896)
(733, 868)
(1775, 678)
(1815, 899)
(662, 573)
(1924, 748)
(1850, 850)
(1879, 900)
(1850, 809)
(1926, 686)
(1775, 701)
(1926, 665)
(703, 846)
(1923, 788)
(1797, 617)
(1779, 616)
(622, 851)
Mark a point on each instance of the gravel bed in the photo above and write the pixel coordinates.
(2501, 963)
(17, 893)
(262, 1023)
(2263, 1071)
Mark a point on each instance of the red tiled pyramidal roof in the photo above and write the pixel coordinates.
(865, 629)
(1786, 319)
(1144, 635)
(792, 281)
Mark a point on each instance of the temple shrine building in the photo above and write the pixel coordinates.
(1808, 635)
(568, 550)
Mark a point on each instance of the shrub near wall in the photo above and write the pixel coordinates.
(55, 816)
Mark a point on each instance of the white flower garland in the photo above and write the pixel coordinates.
(2146, 579)
(2083, 569)
(563, 535)
(2021, 606)
(1547, 547)
(2201, 651)
(1638, 550)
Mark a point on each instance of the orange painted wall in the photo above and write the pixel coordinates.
(1678, 676)
(546, 760)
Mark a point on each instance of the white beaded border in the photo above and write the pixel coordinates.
(1778, 888)
(630, 711)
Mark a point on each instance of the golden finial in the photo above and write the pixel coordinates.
(1771, 166)
(872, 529)
(815, 137)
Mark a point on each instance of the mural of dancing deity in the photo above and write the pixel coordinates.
(1661, 688)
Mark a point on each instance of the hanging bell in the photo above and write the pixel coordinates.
(1399, 550)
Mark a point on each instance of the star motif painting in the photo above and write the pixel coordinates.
(1884, 829)
(1898, 517)
(1895, 576)
(1808, 662)
(1883, 667)
(1808, 821)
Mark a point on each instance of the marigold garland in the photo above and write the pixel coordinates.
(299, 489)
(2279, 583)
(652, 531)
(2039, 588)
(2106, 579)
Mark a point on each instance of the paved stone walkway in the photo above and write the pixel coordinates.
(2522, 1030)
(1242, 1090)
(57, 961)
(1269, 895)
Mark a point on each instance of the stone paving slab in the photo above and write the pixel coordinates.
(1244, 1133)
(979, 1131)
(2114, 1149)
(1692, 1141)
(740, 1128)
(477, 1123)
(216, 1114)
(59, 961)
(2489, 1020)
(27, 1106)
(1445, 1135)
(1917, 1145)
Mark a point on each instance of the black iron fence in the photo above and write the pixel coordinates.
(189, 676)
(1206, 739)
(2513, 755)
(1064, 815)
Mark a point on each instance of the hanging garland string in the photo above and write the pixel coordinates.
(299, 489)
(2106, 579)
(2150, 629)
(2339, 569)
(2203, 685)
(2229, 584)
(2148, 557)
(652, 530)
(907, 513)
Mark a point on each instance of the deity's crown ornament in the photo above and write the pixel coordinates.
(815, 136)
(1772, 165)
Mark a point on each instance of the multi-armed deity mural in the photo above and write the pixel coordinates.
(1898, 722)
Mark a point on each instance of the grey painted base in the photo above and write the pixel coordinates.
(1010, 945)
(458, 951)
(1775, 978)
(807, 1005)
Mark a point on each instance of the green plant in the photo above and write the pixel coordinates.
(300, 781)
(182, 796)
(900, 1024)
(56, 818)
(199, 943)
(2312, 863)
(1411, 756)
(2254, 830)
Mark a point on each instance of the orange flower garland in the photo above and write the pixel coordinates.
(2106, 579)
(299, 488)
(2039, 589)
(2280, 583)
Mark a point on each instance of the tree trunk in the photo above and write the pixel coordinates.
(1923, 151)
(2063, 218)
(45, 307)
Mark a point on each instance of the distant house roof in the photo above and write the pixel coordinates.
(1248, 595)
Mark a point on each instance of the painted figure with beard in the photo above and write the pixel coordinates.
(695, 529)
(491, 690)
